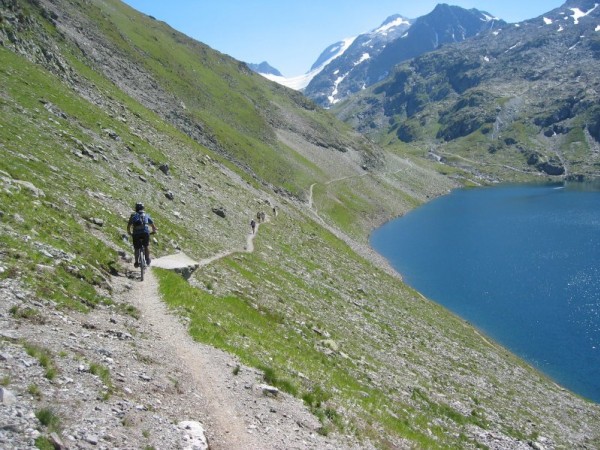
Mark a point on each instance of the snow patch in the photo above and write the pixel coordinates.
(578, 14)
(364, 57)
(388, 26)
(488, 18)
(597, 27)
(547, 21)
(336, 83)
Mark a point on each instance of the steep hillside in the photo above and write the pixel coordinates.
(516, 103)
(102, 107)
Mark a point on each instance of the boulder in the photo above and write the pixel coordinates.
(179, 263)
(164, 168)
(194, 434)
(7, 397)
(219, 212)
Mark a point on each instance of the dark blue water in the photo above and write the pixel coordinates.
(521, 263)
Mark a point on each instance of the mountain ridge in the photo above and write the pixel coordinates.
(348, 66)
(475, 99)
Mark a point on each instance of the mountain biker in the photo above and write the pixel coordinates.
(139, 221)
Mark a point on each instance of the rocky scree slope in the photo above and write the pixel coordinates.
(371, 359)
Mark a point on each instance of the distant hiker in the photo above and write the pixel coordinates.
(253, 226)
(275, 211)
(260, 216)
(139, 221)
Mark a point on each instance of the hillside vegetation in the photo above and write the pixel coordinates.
(102, 106)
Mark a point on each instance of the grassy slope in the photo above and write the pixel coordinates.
(367, 353)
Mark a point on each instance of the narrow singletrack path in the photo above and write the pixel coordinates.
(229, 404)
(205, 364)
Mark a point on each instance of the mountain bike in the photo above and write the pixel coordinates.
(140, 256)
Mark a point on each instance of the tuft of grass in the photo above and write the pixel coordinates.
(270, 377)
(35, 390)
(48, 418)
(129, 310)
(44, 357)
(27, 313)
(103, 373)
(43, 443)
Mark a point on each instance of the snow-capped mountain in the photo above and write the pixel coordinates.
(355, 48)
(300, 82)
(264, 68)
(528, 93)
(372, 56)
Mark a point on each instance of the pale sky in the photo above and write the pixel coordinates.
(290, 35)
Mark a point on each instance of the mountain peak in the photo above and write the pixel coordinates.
(373, 55)
(264, 68)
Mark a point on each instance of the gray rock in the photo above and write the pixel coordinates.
(57, 441)
(164, 168)
(97, 221)
(219, 212)
(37, 192)
(268, 390)
(112, 134)
(194, 434)
(92, 439)
(7, 397)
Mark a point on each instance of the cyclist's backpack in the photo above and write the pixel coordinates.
(139, 222)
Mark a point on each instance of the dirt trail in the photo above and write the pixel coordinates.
(234, 409)
(208, 367)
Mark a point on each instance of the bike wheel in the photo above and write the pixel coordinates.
(142, 262)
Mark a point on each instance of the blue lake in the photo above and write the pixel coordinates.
(521, 263)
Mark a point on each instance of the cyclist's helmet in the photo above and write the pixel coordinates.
(139, 207)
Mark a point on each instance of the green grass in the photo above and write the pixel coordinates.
(28, 313)
(265, 339)
(49, 419)
(35, 391)
(44, 357)
(103, 373)
(44, 443)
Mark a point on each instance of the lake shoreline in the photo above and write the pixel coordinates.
(545, 364)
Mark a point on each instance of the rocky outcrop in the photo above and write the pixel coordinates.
(179, 262)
